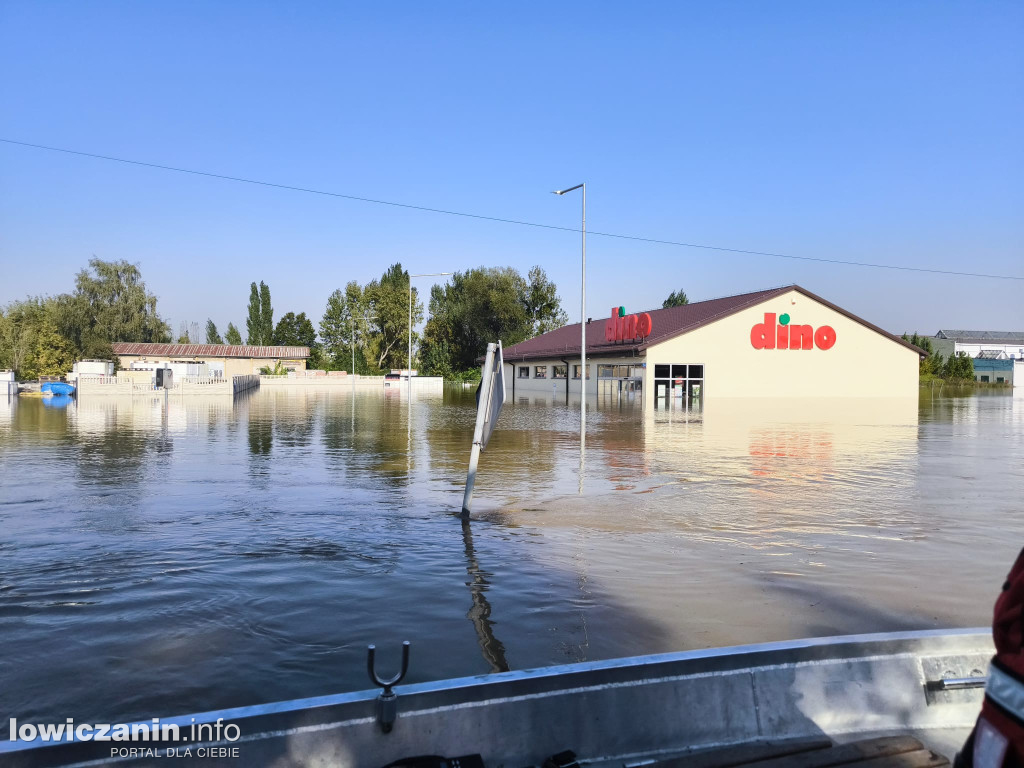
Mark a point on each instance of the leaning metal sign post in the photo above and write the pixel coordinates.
(490, 398)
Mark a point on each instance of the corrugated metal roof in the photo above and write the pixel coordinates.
(979, 337)
(667, 323)
(208, 350)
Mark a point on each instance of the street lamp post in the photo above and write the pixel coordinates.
(583, 323)
(425, 274)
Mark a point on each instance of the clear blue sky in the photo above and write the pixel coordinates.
(869, 131)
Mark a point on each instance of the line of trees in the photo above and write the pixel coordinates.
(44, 336)
(483, 305)
(370, 323)
(956, 367)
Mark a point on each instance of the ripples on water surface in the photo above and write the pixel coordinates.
(160, 561)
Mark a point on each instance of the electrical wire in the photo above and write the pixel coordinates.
(518, 222)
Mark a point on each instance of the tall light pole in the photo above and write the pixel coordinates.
(425, 274)
(583, 323)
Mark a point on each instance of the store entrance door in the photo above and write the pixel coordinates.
(679, 386)
(695, 393)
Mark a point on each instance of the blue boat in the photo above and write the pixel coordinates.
(57, 388)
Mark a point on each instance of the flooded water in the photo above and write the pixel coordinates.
(162, 560)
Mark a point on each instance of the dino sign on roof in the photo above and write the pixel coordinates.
(623, 327)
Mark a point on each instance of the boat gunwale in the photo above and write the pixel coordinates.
(335, 710)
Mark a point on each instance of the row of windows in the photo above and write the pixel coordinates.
(557, 371)
(620, 371)
(679, 371)
(612, 371)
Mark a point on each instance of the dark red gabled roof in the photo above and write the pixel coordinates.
(666, 323)
(208, 350)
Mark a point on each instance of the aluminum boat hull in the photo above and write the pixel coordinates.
(611, 712)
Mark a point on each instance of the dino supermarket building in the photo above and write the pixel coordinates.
(779, 343)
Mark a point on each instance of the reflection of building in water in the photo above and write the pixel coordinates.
(780, 343)
(126, 414)
(7, 406)
(806, 443)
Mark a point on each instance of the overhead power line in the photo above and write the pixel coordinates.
(427, 209)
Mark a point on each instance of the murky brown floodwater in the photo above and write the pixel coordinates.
(157, 562)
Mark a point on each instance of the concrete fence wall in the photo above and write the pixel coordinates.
(185, 385)
(334, 382)
(421, 385)
(242, 383)
(107, 385)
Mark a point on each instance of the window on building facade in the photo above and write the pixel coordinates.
(540, 371)
(524, 371)
(984, 379)
(619, 371)
(560, 371)
(679, 385)
(576, 371)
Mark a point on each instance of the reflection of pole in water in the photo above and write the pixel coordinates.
(480, 614)
(583, 583)
(581, 470)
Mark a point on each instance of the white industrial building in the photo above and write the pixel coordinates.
(992, 345)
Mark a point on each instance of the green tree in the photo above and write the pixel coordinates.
(55, 354)
(932, 364)
(183, 337)
(266, 315)
(543, 304)
(277, 369)
(113, 304)
(675, 299)
(483, 305)
(212, 336)
(344, 318)
(110, 303)
(18, 332)
(232, 336)
(295, 331)
(388, 301)
(959, 367)
(254, 322)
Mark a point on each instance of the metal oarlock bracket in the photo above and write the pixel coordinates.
(387, 702)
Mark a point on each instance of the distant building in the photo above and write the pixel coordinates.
(984, 344)
(222, 360)
(999, 370)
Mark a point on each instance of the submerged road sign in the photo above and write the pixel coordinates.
(489, 399)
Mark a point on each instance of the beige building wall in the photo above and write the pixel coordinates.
(233, 366)
(862, 363)
(534, 385)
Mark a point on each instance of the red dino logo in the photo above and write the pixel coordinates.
(768, 335)
(623, 327)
